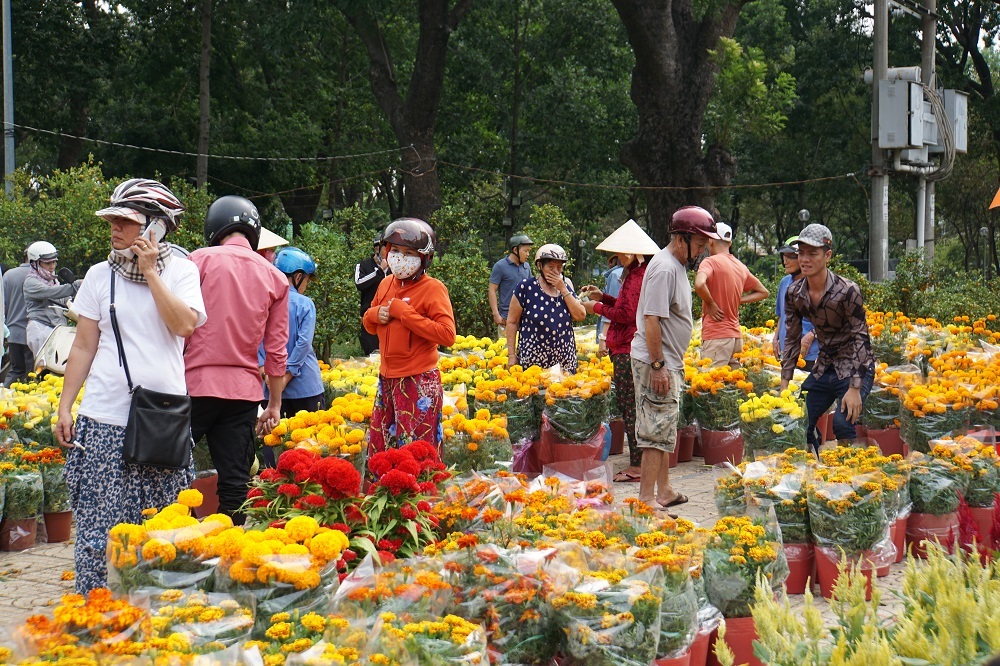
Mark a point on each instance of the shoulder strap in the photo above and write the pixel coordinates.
(122, 361)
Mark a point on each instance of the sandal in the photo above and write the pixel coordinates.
(626, 477)
(680, 499)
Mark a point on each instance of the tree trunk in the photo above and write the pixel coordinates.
(412, 119)
(204, 101)
(672, 82)
(70, 147)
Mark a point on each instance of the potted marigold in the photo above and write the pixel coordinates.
(479, 443)
(24, 496)
(937, 483)
(772, 423)
(717, 395)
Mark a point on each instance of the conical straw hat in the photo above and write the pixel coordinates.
(269, 239)
(629, 239)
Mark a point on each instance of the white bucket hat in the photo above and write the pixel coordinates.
(629, 239)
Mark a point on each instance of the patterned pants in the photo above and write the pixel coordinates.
(105, 491)
(625, 394)
(407, 409)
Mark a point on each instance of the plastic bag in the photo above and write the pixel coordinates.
(730, 495)
(678, 619)
(371, 590)
(207, 619)
(552, 448)
(719, 410)
(24, 495)
(847, 511)
(55, 490)
(612, 624)
(772, 424)
(476, 444)
(157, 558)
(928, 413)
(455, 400)
(782, 483)
(575, 417)
(936, 485)
(882, 406)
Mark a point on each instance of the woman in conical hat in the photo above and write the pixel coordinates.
(634, 248)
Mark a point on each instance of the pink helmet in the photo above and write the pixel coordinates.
(692, 220)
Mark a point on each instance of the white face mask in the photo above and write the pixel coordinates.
(403, 266)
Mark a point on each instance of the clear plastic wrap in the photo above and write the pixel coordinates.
(847, 511)
(55, 490)
(465, 498)
(476, 444)
(771, 424)
(24, 495)
(551, 447)
(933, 411)
(612, 623)
(718, 409)
(741, 549)
(678, 619)
(781, 481)
(166, 559)
(730, 494)
(575, 417)
(209, 620)
(936, 485)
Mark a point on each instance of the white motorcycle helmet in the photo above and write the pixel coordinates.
(41, 251)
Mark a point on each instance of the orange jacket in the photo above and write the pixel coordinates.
(422, 319)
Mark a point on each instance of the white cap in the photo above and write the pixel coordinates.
(629, 239)
(723, 232)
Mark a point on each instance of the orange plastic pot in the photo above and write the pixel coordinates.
(208, 486)
(827, 561)
(741, 632)
(825, 427)
(801, 557)
(683, 660)
(984, 518)
(699, 648)
(899, 538)
(722, 446)
(889, 441)
(58, 526)
(685, 443)
(922, 527)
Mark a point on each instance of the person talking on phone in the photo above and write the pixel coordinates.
(541, 315)
(158, 304)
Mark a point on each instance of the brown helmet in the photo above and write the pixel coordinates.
(692, 220)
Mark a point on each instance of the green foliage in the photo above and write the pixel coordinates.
(466, 273)
(549, 224)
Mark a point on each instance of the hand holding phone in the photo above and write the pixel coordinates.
(155, 229)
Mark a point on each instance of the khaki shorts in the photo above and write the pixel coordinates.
(656, 415)
(722, 351)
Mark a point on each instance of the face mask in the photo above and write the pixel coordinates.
(403, 266)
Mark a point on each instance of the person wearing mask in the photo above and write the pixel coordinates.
(810, 345)
(368, 275)
(505, 276)
(412, 316)
(633, 248)
(157, 304)
(22, 361)
(724, 283)
(612, 284)
(845, 368)
(44, 297)
(246, 299)
(542, 312)
(663, 332)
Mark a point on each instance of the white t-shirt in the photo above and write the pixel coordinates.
(155, 355)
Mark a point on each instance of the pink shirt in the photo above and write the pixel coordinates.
(246, 300)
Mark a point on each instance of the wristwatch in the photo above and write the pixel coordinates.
(658, 365)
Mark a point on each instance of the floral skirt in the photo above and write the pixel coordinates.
(105, 491)
(407, 409)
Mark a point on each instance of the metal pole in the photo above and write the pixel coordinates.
(928, 46)
(8, 100)
(878, 251)
(921, 210)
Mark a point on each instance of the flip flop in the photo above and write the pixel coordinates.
(663, 513)
(680, 499)
(626, 477)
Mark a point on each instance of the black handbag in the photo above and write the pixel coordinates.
(158, 433)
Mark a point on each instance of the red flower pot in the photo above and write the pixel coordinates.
(740, 635)
(698, 451)
(699, 648)
(617, 437)
(801, 558)
(683, 660)
(58, 526)
(899, 538)
(18, 535)
(686, 437)
(208, 486)
(889, 441)
(922, 527)
(825, 427)
(984, 518)
(721, 446)
(827, 561)
(672, 457)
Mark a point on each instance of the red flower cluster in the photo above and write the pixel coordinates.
(393, 459)
(397, 481)
(289, 490)
(296, 463)
(339, 478)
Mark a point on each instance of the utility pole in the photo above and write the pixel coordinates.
(928, 53)
(878, 249)
(8, 100)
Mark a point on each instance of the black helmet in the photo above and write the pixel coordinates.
(378, 240)
(413, 233)
(232, 213)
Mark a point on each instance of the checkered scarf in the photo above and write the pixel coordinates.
(129, 268)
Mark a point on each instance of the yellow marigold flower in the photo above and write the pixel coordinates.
(190, 498)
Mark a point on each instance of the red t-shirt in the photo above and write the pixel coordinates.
(727, 279)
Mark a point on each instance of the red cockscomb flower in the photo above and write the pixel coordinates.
(423, 505)
(349, 555)
(385, 544)
(427, 487)
(385, 557)
(397, 481)
(393, 459)
(407, 512)
(354, 515)
(271, 475)
(314, 500)
(295, 460)
(346, 529)
(421, 450)
(255, 492)
(260, 504)
(289, 490)
(338, 477)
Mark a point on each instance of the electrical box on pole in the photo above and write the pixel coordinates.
(956, 107)
(900, 114)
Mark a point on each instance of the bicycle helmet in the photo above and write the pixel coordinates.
(41, 251)
(377, 242)
(141, 198)
(413, 233)
(291, 260)
(693, 220)
(551, 251)
(229, 214)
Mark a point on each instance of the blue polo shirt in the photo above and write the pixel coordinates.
(779, 310)
(306, 380)
(506, 275)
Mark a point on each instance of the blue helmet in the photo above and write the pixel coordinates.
(291, 260)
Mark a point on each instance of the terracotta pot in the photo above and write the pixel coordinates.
(208, 485)
(683, 660)
(825, 427)
(699, 648)
(889, 441)
(18, 535)
(58, 526)
(927, 526)
(801, 557)
(673, 457)
(899, 538)
(721, 446)
(698, 450)
(740, 635)
(883, 571)
(685, 443)
(827, 571)
(984, 518)
(617, 436)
